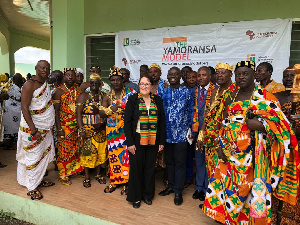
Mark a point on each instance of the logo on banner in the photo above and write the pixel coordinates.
(131, 61)
(127, 42)
(181, 52)
(252, 35)
(251, 57)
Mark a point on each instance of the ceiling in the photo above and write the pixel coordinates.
(18, 14)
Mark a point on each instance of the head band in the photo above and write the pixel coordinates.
(68, 69)
(94, 67)
(249, 64)
(155, 65)
(224, 66)
(115, 72)
(79, 70)
(95, 76)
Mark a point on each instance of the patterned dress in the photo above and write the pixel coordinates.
(239, 191)
(212, 122)
(290, 214)
(116, 142)
(68, 160)
(93, 150)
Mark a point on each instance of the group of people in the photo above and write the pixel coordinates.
(242, 137)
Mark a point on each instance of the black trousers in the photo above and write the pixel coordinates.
(176, 154)
(141, 182)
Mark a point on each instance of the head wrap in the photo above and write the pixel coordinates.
(95, 76)
(93, 67)
(79, 70)
(115, 72)
(224, 66)
(68, 69)
(155, 65)
(249, 64)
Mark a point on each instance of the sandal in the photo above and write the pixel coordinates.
(46, 184)
(111, 188)
(86, 183)
(35, 195)
(100, 179)
(124, 190)
(65, 181)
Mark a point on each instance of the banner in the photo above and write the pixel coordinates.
(206, 45)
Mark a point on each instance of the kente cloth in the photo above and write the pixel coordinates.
(67, 158)
(12, 113)
(275, 87)
(148, 121)
(34, 156)
(213, 120)
(198, 104)
(93, 150)
(178, 109)
(239, 192)
(116, 142)
(289, 214)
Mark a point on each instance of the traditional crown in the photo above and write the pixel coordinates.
(224, 66)
(68, 69)
(3, 78)
(115, 72)
(249, 64)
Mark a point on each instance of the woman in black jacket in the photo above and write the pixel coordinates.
(144, 125)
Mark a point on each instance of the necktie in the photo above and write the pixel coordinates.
(202, 95)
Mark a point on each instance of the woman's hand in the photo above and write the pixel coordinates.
(131, 149)
(255, 124)
(221, 155)
(160, 148)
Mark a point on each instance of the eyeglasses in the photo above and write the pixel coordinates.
(146, 85)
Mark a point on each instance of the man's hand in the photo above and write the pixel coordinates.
(132, 149)
(37, 136)
(82, 135)
(255, 124)
(200, 146)
(61, 133)
(221, 155)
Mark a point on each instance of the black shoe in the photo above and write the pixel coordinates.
(199, 195)
(148, 201)
(200, 206)
(178, 199)
(165, 192)
(136, 205)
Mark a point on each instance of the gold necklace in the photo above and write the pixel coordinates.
(113, 96)
(72, 106)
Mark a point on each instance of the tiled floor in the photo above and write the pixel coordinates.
(111, 207)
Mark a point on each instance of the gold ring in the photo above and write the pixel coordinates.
(62, 136)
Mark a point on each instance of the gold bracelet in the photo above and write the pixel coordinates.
(56, 101)
(201, 136)
(79, 104)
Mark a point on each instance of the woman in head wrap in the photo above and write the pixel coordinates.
(79, 76)
(92, 135)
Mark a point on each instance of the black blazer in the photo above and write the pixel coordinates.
(132, 115)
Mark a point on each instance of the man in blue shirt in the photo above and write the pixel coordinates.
(177, 103)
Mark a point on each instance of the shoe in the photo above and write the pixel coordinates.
(200, 206)
(199, 195)
(165, 192)
(178, 199)
(136, 205)
(147, 201)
